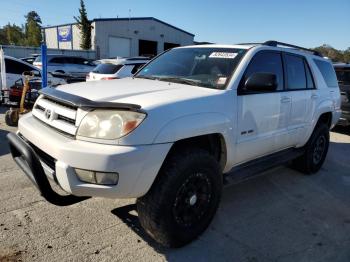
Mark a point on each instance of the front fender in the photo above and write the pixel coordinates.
(194, 125)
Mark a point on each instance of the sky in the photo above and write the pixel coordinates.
(309, 23)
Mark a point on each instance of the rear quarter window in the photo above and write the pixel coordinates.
(327, 72)
(107, 69)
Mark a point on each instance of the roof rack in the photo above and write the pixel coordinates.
(249, 44)
(276, 43)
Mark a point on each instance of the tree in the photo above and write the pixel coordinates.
(33, 29)
(347, 55)
(85, 27)
(33, 16)
(330, 52)
(3, 37)
(14, 34)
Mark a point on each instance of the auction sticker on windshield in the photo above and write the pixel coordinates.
(223, 55)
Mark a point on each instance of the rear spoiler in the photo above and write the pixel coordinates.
(81, 102)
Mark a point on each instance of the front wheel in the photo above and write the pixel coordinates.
(183, 200)
(315, 151)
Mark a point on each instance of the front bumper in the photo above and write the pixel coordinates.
(137, 165)
(29, 162)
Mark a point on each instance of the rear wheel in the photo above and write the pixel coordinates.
(315, 151)
(183, 199)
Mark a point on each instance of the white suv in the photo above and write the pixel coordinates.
(190, 121)
(110, 69)
(72, 66)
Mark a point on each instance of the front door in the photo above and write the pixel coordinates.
(262, 116)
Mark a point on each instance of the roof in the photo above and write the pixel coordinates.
(125, 19)
(270, 43)
(122, 60)
(218, 46)
(341, 65)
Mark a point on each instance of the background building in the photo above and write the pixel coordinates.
(113, 37)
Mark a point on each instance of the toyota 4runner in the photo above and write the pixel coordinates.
(190, 121)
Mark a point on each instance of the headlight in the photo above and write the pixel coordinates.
(109, 124)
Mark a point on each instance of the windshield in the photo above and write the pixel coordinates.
(205, 67)
(343, 76)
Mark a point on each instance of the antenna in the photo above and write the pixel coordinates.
(129, 19)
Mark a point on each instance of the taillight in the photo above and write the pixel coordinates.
(109, 78)
(87, 76)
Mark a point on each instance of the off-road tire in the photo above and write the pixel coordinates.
(11, 118)
(307, 162)
(158, 209)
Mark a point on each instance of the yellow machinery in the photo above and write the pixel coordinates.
(12, 115)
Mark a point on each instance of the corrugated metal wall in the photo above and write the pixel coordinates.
(22, 51)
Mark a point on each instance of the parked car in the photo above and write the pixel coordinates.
(189, 121)
(71, 66)
(14, 79)
(343, 75)
(110, 69)
(30, 59)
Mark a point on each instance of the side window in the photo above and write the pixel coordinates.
(10, 66)
(309, 78)
(327, 72)
(79, 61)
(136, 68)
(70, 60)
(265, 62)
(14, 67)
(295, 69)
(57, 60)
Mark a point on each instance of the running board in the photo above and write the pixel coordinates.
(256, 167)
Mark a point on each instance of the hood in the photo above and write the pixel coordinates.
(144, 92)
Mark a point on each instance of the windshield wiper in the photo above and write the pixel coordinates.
(146, 77)
(180, 80)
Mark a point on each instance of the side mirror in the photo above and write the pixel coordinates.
(261, 82)
(57, 74)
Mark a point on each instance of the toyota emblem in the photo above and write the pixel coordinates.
(47, 113)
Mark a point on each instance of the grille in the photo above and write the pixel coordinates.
(56, 115)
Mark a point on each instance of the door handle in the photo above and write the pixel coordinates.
(314, 96)
(285, 99)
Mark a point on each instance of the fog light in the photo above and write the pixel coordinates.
(106, 178)
(85, 175)
(94, 177)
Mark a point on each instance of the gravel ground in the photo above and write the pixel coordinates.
(279, 216)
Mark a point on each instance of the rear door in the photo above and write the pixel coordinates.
(262, 116)
(73, 66)
(57, 64)
(301, 88)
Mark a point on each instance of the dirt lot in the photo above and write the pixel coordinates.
(279, 216)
